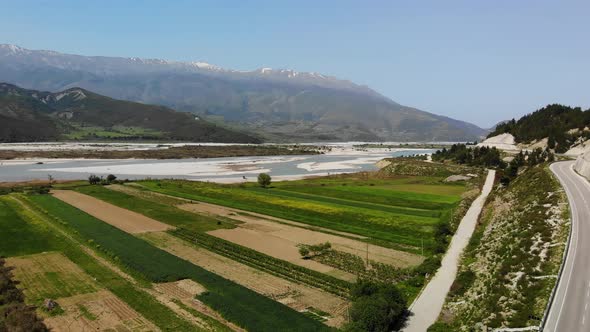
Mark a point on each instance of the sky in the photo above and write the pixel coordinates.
(477, 61)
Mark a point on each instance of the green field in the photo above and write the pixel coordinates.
(398, 213)
(85, 132)
(35, 234)
(238, 304)
(160, 210)
(18, 237)
(193, 227)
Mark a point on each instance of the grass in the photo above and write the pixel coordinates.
(159, 211)
(196, 234)
(18, 237)
(86, 313)
(210, 321)
(236, 303)
(85, 132)
(38, 227)
(393, 212)
(51, 276)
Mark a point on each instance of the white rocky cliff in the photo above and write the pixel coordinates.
(582, 165)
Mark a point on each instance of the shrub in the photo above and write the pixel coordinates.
(93, 179)
(376, 307)
(264, 180)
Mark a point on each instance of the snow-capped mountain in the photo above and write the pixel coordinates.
(283, 103)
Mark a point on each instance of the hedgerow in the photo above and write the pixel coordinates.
(266, 263)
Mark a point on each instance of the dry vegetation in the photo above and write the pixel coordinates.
(294, 295)
(83, 303)
(510, 266)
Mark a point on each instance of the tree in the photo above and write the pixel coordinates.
(376, 307)
(93, 179)
(264, 180)
(111, 178)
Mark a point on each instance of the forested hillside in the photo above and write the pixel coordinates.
(78, 114)
(556, 122)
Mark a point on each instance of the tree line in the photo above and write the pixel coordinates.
(552, 121)
(477, 156)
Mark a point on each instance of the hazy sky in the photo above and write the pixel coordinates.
(479, 61)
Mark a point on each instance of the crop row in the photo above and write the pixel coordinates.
(398, 231)
(350, 203)
(266, 263)
(236, 303)
(356, 265)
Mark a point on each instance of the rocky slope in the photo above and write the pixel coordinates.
(582, 165)
(283, 104)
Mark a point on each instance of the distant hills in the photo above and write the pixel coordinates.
(31, 115)
(282, 105)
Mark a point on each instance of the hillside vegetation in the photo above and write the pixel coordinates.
(508, 270)
(29, 115)
(563, 125)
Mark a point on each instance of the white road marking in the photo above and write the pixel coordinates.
(571, 253)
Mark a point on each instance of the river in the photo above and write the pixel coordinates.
(234, 169)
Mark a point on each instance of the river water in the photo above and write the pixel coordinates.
(233, 169)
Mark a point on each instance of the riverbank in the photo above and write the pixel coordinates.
(158, 152)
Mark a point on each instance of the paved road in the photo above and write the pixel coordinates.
(428, 305)
(570, 310)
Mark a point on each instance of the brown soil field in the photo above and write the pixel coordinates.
(52, 275)
(182, 289)
(185, 291)
(296, 296)
(128, 221)
(280, 240)
(103, 312)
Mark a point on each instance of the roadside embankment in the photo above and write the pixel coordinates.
(429, 303)
(510, 267)
(582, 165)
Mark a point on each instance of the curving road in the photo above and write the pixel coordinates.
(570, 309)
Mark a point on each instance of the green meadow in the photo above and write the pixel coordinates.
(401, 213)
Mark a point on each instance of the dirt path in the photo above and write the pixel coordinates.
(296, 296)
(428, 304)
(128, 221)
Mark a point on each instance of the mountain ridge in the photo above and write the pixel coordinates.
(31, 115)
(283, 105)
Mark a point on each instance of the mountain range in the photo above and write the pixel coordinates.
(279, 104)
(31, 115)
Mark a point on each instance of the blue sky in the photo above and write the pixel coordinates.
(479, 61)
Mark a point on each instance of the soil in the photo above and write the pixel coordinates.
(128, 221)
(296, 296)
(185, 291)
(280, 240)
(107, 312)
